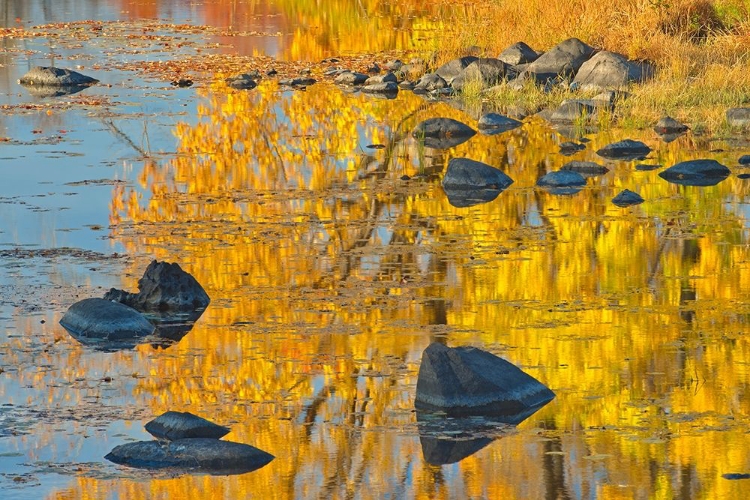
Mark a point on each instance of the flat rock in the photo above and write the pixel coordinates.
(196, 454)
(497, 123)
(443, 133)
(562, 182)
(609, 70)
(350, 78)
(696, 173)
(626, 198)
(174, 425)
(518, 53)
(470, 381)
(105, 320)
(586, 168)
(164, 287)
(738, 117)
(627, 149)
(55, 77)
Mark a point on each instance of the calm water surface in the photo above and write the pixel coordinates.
(329, 275)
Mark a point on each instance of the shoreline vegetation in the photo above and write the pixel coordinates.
(700, 49)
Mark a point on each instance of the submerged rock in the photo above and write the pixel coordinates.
(626, 198)
(163, 287)
(494, 123)
(627, 149)
(586, 168)
(174, 425)
(469, 381)
(201, 454)
(102, 319)
(568, 148)
(696, 173)
(443, 133)
(55, 77)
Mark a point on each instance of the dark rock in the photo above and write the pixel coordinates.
(452, 69)
(626, 198)
(487, 72)
(696, 173)
(350, 78)
(497, 123)
(105, 320)
(303, 81)
(573, 110)
(564, 59)
(568, 148)
(55, 77)
(174, 425)
(242, 82)
(562, 182)
(608, 70)
(443, 133)
(518, 53)
(644, 167)
(668, 125)
(430, 82)
(463, 173)
(373, 68)
(272, 72)
(744, 160)
(738, 117)
(627, 149)
(199, 454)
(388, 77)
(394, 65)
(469, 381)
(406, 85)
(733, 476)
(381, 88)
(743, 176)
(586, 168)
(182, 83)
(163, 287)
(464, 198)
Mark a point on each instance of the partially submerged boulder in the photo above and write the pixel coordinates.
(470, 381)
(443, 133)
(55, 77)
(105, 320)
(381, 88)
(562, 182)
(467, 182)
(174, 425)
(696, 173)
(627, 149)
(495, 123)
(626, 197)
(163, 287)
(668, 125)
(200, 454)
(350, 78)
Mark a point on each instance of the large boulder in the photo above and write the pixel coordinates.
(442, 133)
(164, 287)
(738, 117)
(55, 77)
(102, 319)
(470, 381)
(609, 70)
(453, 68)
(627, 149)
(199, 454)
(696, 173)
(463, 173)
(518, 53)
(564, 59)
(174, 425)
(485, 71)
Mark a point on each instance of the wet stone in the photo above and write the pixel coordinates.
(351, 78)
(744, 160)
(105, 320)
(242, 82)
(696, 173)
(568, 148)
(668, 126)
(626, 198)
(561, 179)
(586, 168)
(463, 173)
(174, 425)
(497, 123)
(470, 381)
(645, 167)
(442, 133)
(381, 88)
(388, 77)
(55, 77)
(627, 149)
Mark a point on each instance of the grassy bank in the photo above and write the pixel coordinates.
(701, 49)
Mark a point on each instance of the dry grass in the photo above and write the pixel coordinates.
(701, 48)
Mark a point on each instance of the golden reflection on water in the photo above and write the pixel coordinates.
(329, 275)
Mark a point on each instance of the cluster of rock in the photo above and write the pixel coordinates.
(189, 443)
(168, 302)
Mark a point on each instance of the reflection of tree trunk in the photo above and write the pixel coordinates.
(553, 469)
(311, 412)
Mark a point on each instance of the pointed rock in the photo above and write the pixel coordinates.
(174, 425)
(626, 198)
(564, 59)
(668, 125)
(452, 69)
(469, 381)
(518, 53)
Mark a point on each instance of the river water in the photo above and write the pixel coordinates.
(333, 257)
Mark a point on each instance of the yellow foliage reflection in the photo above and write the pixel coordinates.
(330, 274)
